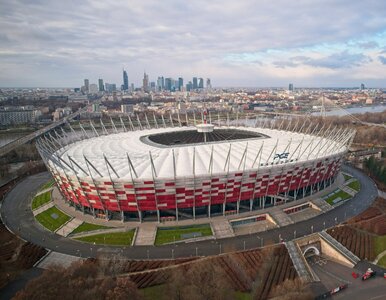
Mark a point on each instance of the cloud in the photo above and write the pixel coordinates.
(382, 59)
(339, 60)
(66, 41)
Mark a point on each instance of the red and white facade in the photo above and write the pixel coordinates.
(123, 172)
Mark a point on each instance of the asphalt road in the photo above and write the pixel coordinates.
(18, 217)
(333, 274)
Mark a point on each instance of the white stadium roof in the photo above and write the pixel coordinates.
(244, 154)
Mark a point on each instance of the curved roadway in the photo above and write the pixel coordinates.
(17, 215)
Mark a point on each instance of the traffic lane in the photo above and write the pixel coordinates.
(333, 274)
(31, 230)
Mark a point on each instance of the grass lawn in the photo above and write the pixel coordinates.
(41, 200)
(339, 194)
(88, 227)
(346, 176)
(52, 218)
(355, 185)
(380, 244)
(47, 185)
(382, 262)
(171, 234)
(112, 238)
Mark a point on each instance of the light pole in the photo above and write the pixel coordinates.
(172, 253)
(220, 248)
(324, 224)
(312, 229)
(294, 234)
(148, 255)
(244, 245)
(196, 251)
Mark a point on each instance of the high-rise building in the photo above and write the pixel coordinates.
(195, 84)
(160, 83)
(180, 83)
(125, 85)
(152, 86)
(208, 84)
(145, 81)
(291, 87)
(189, 86)
(168, 83)
(110, 87)
(87, 85)
(362, 86)
(101, 86)
(200, 83)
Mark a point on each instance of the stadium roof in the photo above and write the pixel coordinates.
(109, 155)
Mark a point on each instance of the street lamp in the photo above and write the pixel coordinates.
(312, 228)
(294, 234)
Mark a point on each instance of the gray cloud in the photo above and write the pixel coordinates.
(382, 59)
(97, 38)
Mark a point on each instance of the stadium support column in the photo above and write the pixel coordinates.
(154, 174)
(108, 164)
(210, 171)
(175, 180)
(242, 162)
(226, 167)
(258, 155)
(194, 183)
(96, 187)
(132, 170)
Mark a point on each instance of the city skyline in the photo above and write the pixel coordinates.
(309, 44)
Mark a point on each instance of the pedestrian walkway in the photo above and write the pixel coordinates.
(221, 228)
(280, 217)
(44, 191)
(43, 208)
(146, 234)
(322, 204)
(69, 227)
(299, 262)
(380, 255)
(56, 258)
(348, 190)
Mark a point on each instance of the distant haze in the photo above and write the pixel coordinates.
(235, 43)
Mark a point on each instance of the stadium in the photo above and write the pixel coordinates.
(133, 171)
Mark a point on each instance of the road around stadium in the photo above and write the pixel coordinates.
(18, 217)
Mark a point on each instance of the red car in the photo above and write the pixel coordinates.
(369, 273)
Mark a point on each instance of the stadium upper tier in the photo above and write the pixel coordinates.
(150, 153)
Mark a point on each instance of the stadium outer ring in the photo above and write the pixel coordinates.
(268, 184)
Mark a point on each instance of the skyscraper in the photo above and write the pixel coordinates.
(145, 82)
(101, 86)
(180, 83)
(362, 86)
(208, 84)
(87, 85)
(291, 87)
(195, 85)
(160, 83)
(125, 85)
(168, 84)
(200, 83)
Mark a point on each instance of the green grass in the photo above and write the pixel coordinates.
(48, 221)
(355, 185)
(346, 176)
(339, 194)
(380, 244)
(84, 227)
(41, 200)
(47, 185)
(171, 234)
(382, 262)
(113, 238)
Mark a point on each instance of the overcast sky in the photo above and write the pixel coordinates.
(258, 43)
